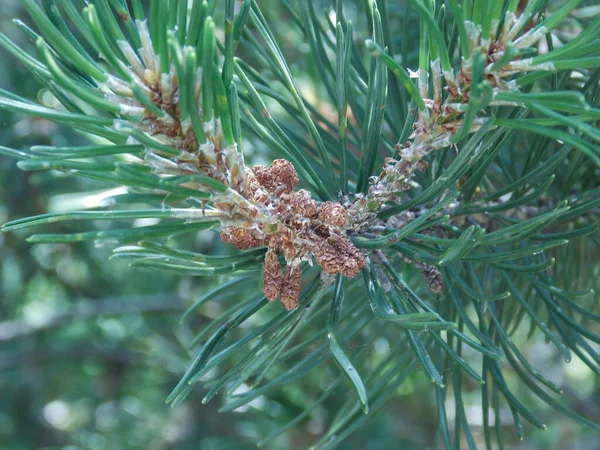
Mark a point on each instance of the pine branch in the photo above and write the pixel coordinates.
(462, 198)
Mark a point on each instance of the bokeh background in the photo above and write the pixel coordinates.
(89, 349)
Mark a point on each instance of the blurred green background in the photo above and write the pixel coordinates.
(89, 349)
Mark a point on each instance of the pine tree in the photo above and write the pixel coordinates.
(441, 193)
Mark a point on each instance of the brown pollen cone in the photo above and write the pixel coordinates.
(290, 287)
(241, 238)
(336, 254)
(272, 276)
(299, 203)
(332, 214)
(280, 173)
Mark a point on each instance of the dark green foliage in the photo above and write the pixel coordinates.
(505, 212)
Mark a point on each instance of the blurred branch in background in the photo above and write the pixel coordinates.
(82, 310)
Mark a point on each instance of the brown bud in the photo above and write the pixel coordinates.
(272, 275)
(290, 287)
(434, 278)
(402, 167)
(422, 165)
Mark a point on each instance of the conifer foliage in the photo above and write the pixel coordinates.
(432, 196)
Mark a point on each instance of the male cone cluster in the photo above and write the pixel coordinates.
(300, 230)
